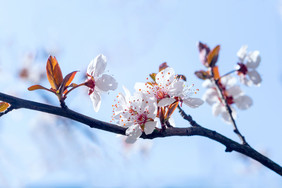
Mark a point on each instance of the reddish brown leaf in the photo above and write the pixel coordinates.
(213, 56)
(4, 106)
(202, 74)
(204, 51)
(73, 85)
(35, 87)
(67, 81)
(171, 109)
(68, 78)
(162, 114)
(54, 73)
(181, 77)
(215, 73)
(163, 66)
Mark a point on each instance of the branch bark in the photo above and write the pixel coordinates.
(17, 103)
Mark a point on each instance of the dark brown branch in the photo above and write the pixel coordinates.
(230, 145)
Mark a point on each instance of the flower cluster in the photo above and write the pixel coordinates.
(232, 94)
(154, 99)
(222, 92)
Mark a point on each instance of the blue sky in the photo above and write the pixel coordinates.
(136, 36)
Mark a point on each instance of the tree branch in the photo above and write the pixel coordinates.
(17, 103)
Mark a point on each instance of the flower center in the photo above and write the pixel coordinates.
(243, 69)
(161, 94)
(142, 118)
(90, 82)
(229, 98)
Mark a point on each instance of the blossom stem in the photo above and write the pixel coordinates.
(228, 109)
(82, 84)
(227, 74)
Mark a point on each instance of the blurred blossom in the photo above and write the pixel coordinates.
(31, 70)
(142, 147)
(247, 66)
(232, 94)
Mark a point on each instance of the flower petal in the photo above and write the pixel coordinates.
(242, 52)
(235, 91)
(245, 80)
(133, 132)
(226, 117)
(136, 102)
(150, 127)
(207, 84)
(253, 60)
(243, 102)
(210, 96)
(176, 88)
(217, 109)
(165, 77)
(166, 101)
(97, 66)
(96, 100)
(106, 83)
(127, 92)
(228, 81)
(193, 102)
(255, 77)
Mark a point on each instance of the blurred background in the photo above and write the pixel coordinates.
(41, 150)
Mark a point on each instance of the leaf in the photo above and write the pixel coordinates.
(67, 81)
(68, 78)
(171, 109)
(35, 87)
(54, 73)
(204, 51)
(73, 85)
(163, 66)
(161, 115)
(215, 72)
(213, 56)
(153, 76)
(202, 74)
(181, 77)
(202, 46)
(4, 106)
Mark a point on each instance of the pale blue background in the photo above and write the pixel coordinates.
(136, 36)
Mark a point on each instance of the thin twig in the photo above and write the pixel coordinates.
(228, 109)
(187, 117)
(227, 74)
(190, 131)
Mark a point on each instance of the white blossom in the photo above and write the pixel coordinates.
(167, 89)
(137, 113)
(97, 81)
(247, 66)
